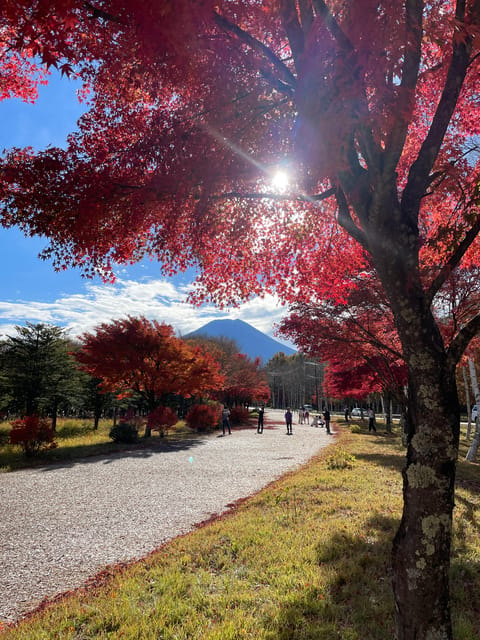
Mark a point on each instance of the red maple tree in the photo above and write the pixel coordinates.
(244, 379)
(357, 339)
(145, 357)
(371, 107)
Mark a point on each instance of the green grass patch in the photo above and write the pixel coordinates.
(307, 558)
(75, 439)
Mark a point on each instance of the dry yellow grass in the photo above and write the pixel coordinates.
(306, 558)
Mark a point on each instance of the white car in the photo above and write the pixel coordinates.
(356, 412)
(474, 412)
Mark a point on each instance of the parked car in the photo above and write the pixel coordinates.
(356, 412)
(474, 412)
(308, 407)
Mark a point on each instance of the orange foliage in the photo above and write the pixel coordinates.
(135, 354)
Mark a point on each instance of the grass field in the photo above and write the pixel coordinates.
(75, 438)
(308, 558)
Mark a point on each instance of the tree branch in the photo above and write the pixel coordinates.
(366, 140)
(332, 25)
(454, 260)
(462, 340)
(375, 342)
(420, 170)
(346, 221)
(293, 29)
(306, 15)
(268, 195)
(410, 70)
(255, 44)
(100, 13)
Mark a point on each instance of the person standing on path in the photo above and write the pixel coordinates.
(288, 421)
(371, 420)
(326, 417)
(226, 420)
(261, 411)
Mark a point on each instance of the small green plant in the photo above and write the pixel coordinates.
(340, 459)
(32, 434)
(124, 432)
(355, 428)
(289, 502)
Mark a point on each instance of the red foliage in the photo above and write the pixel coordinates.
(203, 417)
(245, 381)
(206, 100)
(32, 434)
(135, 354)
(372, 106)
(161, 419)
(358, 340)
(239, 415)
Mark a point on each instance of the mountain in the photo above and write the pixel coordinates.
(250, 340)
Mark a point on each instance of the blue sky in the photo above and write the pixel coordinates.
(31, 291)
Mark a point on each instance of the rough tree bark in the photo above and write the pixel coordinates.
(421, 550)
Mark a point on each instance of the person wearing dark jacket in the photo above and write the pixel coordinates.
(326, 417)
(226, 420)
(261, 411)
(288, 421)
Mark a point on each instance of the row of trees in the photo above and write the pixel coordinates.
(295, 380)
(130, 362)
(359, 341)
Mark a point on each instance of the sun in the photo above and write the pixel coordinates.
(280, 180)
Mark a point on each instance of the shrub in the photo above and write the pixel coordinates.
(340, 459)
(203, 417)
(124, 432)
(32, 434)
(355, 428)
(239, 415)
(161, 419)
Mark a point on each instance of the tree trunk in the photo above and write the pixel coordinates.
(387, 411)
(54, 418)
(421, 550)
(97, 410)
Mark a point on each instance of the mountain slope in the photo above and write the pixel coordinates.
(250, 340)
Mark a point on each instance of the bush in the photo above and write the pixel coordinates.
(32, 434)
(124, 432)
(239, 415)
(203, 417)
(161, 419)
(340, 459)
(355, 428)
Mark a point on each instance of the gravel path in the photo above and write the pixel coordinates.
(62, 524)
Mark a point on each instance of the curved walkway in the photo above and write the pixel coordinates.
(62, 524)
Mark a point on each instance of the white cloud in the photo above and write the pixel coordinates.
(152, 298)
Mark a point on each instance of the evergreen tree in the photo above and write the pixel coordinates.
(38, 372)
